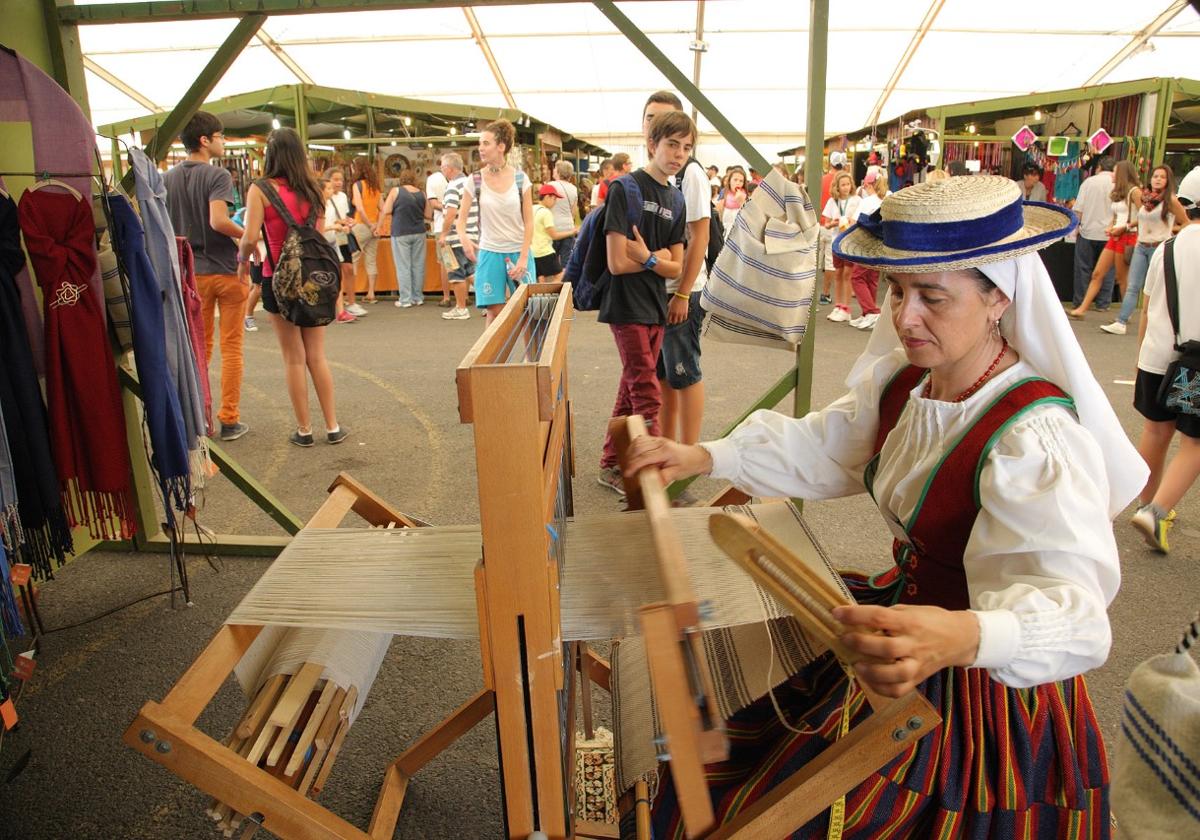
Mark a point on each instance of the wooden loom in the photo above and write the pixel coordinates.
(512, 387)
(893, 726)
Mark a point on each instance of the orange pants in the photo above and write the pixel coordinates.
(225, 293)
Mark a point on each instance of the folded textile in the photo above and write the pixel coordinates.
(760, 290)
(84, 403)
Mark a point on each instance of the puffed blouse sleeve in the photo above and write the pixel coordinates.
(1041, 563)
(819, 456)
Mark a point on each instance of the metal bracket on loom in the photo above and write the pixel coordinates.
(692, 727)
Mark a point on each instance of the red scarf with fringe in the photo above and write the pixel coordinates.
(87, 422)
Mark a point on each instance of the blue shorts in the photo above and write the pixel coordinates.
(492, 283)
(679, 360)
(465, 267)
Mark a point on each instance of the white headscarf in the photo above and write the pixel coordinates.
(1037, 328)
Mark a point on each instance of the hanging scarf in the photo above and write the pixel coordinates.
(163, 417)
(87, 423)
(192, 309)
(47, 535)
(164, 257)
(10, 617)
(1151, 199)
(10, 520)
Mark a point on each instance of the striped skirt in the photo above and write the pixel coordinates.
(1005, 763)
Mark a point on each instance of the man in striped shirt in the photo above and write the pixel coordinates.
(460, 277)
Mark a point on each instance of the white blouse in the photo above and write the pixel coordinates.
(1041, 563)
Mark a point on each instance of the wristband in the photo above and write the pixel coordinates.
(682, 296)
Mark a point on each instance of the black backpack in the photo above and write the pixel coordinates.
(716, 228)
(307, 275)
(587, 267)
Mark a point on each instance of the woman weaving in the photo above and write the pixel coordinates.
(993, 455)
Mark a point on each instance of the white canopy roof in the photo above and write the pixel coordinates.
(569, 66)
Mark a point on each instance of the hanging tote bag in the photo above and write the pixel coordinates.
(1156, 767)
(761, 287)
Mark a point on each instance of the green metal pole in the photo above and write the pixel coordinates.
(301, 113)
(217, 66)
(814, 153)
(118, 168)
(1162, 119)
(371, 133)
(690, 92)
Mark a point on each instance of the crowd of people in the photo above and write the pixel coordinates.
(1008, 603)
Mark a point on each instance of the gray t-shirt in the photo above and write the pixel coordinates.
(190, 187)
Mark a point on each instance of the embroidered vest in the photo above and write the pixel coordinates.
(929, 567)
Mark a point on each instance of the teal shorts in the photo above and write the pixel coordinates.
(492, 283)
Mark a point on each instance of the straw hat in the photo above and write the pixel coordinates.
(956, 223)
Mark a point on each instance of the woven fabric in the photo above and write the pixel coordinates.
(745, 660)
(760, 290)
(115, 299)
(1156, 767)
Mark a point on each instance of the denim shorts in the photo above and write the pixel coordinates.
(465, 267)
(492, 282)
(679, 361)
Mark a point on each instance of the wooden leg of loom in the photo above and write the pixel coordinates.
(585, 692)
(835, 772)
(430, 745)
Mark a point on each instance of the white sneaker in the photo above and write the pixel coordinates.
(1115, 328)
(356, 310)
(838, 315)
(867, 322)
(403, 304)
(419, 302)
(456, 314)
(857, 322)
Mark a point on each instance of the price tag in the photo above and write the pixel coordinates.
(8, 713)
(20, 573)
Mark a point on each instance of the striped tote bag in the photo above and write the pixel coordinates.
(1156, 766)
(760, 290)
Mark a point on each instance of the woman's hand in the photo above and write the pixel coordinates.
(674, 460)
(916, 642)
(519, 268)
(469, 249)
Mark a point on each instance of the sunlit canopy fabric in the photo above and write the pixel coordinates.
(570, 67)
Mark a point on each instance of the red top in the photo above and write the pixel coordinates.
(275, 227)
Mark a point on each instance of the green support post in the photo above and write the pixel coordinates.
(677, 78)
(371, 133)
(814, 154)
(1162, 119)
(118, 169)
(216, 68)
(301, 113)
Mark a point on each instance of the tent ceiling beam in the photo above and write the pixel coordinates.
(1138, 41)
(1051, 98)
(143, 12)
(217, 66)
(499, 36)
(285, 59)
(120, 85)
(915, 44)
(683, 84)
(488, 56)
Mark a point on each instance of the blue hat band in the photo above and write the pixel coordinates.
(946, 236)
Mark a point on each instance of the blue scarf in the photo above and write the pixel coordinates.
(163, 415)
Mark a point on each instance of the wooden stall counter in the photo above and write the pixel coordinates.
(387, 269)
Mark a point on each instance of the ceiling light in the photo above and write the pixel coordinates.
(431, 145)
(453, 130)
(971, 128)
(274, 122)
(408, 120)
(1037, 115)
(346, 133)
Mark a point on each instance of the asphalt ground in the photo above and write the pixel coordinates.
(394, 374)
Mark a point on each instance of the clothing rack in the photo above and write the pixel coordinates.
(46, 176)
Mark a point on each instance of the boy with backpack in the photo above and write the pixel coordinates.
(641, 256)
(678, 367)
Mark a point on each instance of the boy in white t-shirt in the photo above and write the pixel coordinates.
(839, 213)
(435, 187)
(679, 373)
